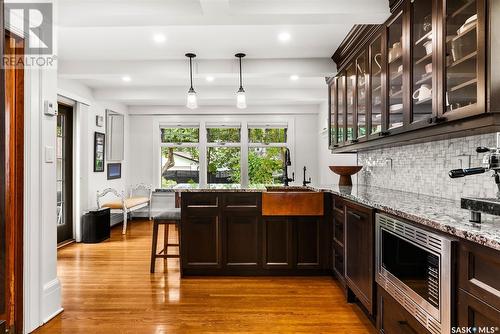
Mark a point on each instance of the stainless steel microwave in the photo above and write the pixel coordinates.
(414, 266)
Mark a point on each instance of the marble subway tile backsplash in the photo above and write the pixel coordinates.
(423, 168)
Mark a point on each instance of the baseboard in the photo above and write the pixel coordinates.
(51, 300)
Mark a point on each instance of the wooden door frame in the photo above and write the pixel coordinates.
(2, 163)
(12, 129)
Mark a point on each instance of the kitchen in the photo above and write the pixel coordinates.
(288, 167)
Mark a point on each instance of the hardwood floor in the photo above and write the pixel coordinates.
(107, 288)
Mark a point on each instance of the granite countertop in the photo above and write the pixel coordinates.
(442, 214)
(439, 213)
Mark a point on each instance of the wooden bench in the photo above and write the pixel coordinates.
(125, 205)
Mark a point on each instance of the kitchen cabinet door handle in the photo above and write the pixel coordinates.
(358, 217)
(404, 325)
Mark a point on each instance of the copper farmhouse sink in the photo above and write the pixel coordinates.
(292, 203)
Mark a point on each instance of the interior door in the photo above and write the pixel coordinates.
(64, 150)
(11, 201)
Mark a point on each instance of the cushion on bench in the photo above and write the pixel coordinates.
(129, 203)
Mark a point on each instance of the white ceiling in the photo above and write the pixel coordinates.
(101, 41)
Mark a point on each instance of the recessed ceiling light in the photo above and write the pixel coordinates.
(284, 37)
(159, 38)
(210, 78)
(294, 77)
(126, 78)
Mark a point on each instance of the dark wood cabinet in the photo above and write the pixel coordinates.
(226, 234)
(478, 286)
(277, 243)
(412, 78)
(242, 233)
(338, 223)
(293, 243)
(307, 242)
(359, 253)
(201, 245)
(394, 319)
(472, 312)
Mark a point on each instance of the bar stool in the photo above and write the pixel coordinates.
(166, 218)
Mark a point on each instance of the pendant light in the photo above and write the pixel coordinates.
(192, 101)
(241, 99)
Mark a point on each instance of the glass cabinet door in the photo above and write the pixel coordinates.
(350, 86)
(340, 109)
(332, 127)
(395, 72)
(361, 85)
(376, 85)
(422, 60)
(462, 55)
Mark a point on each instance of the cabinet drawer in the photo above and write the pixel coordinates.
(479, 272)
(474, 313)
(394, 319)
(200, 200)
(338, 231)
(338, 205)
(241, 201)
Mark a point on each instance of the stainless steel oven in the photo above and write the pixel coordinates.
(414, 266)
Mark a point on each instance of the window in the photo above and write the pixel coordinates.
(223, 154)
(180, 158)
(219, 153)
(266, 153)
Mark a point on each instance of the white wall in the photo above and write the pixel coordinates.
(87, 110)
(144, 148)
(325, 156)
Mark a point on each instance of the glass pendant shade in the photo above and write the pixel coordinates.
(192, 100)
(241, 99)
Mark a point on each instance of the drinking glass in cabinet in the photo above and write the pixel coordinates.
(340, 108)
(461, 54)
(395, 72)
(361, 95)
(421, 12)
(376, 85)
(351, 82)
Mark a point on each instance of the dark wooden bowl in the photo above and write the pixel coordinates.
(345, 173)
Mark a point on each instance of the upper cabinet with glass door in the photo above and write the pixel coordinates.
(422, 54)
(465, 66)
(395, 72)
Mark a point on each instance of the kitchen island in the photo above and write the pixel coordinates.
(230, 230)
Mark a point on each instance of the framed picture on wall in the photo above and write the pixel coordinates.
(99, 139)
(114, 171)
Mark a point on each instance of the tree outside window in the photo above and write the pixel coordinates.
(180, 158)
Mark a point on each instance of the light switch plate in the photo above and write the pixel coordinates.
(49, 154)
(49, 108)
